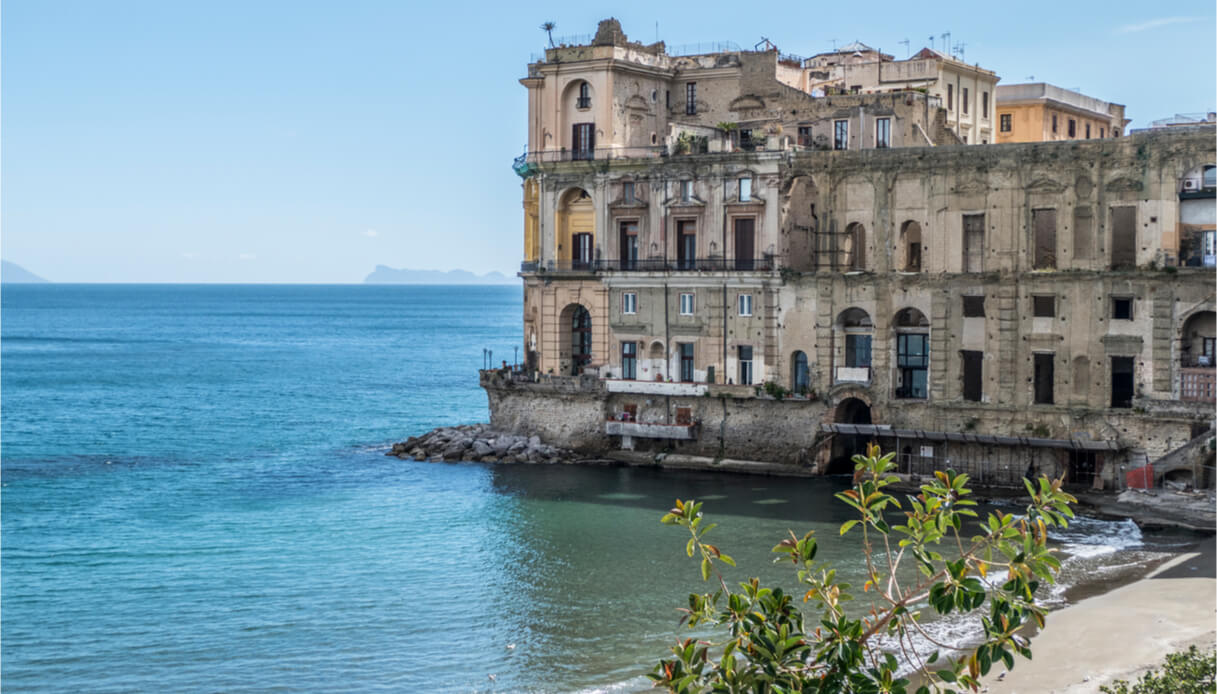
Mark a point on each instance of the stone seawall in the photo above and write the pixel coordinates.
(728, 421)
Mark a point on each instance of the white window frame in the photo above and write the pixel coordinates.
(629, 303)
(744, 305)
(745, 189)
(687, 304)
(886, 129)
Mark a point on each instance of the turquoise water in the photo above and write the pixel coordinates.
(195, 498)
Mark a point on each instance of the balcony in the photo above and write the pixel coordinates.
(766, 263)
(656, 388)
(550, 156)
(1198, 384)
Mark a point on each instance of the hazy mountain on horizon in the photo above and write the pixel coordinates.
(12, 273)
(384, 274)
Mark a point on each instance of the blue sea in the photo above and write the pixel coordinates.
(196, 498)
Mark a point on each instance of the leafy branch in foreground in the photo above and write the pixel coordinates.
(767, 646)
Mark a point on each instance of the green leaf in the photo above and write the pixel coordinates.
(847, 525)
(705, 569)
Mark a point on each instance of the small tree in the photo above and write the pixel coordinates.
(767, 647)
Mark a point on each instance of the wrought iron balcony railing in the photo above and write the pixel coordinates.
(766, 263)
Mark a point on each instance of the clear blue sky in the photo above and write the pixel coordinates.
(276, 141)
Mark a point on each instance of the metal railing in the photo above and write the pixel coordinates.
(599, 153)
(766, 263)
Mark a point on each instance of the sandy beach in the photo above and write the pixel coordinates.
(1121, 634)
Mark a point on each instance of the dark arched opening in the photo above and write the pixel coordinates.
(800, 378)
(846, 446)
(580, 340)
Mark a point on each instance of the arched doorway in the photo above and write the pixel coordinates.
(846, 446)
(800, 378)
(853, 363)
(580, 340)
(1198, 357)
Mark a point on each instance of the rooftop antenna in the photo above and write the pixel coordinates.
(946, 42)
(931, 43)
(548, 28)
(907, 51)
(834, 45)
(959, 49)
(656, 32)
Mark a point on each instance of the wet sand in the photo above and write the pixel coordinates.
(1120, 634)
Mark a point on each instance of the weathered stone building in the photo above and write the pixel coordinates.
(994, 307)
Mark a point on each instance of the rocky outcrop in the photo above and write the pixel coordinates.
(479, 443)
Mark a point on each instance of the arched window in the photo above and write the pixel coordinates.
(585, 95)
(800, 380)
(912, 354)
(855, 247)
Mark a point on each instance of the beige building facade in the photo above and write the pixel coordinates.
(1019, 291)
(1041, 112)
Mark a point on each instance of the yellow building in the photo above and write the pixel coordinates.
(1041, 112)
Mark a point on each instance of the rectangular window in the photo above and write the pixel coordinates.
(627, 192)
(912, 365)
(1054, 124)
(950, 97)
(974, 306)
(745, 189)
(686, 360)
(883, 133)
(684, 415)
(1073, 128)
(1044, 224)
(629, 360)
(628, 241)
(984, 104)
(1043, 306)
(973, 242)
(973, 368)
(1121, 381)
(1083, 223)
(691, 98)
(840, 134)
(963, 100)
(1102, 133)
(857, 350)
(1044, 378)
(686, 304)
(1121, 308)
(629, 303)
(667, 99)
(686, 244)
(1004, 120)
(1123, 237)
(804, 135)
(686, 191)
(745, 304)
(745, 365)
(583, 140)
(745, 246)
(1088, 131)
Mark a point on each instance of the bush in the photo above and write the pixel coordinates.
(767, 645)
(1191, 672)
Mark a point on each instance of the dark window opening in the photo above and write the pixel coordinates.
(973, 242)
(745, 365)
(627, 192)
(912, 365)
(1043, 306)
(1123, 237)
(984, 104)
(686, 362)
(1073, 128)
(973, 386)
(1083, 467)
(840, 134)
(914, 260)
(963, 101)
(583, 140)
(1044, 379)
(684, 416)
(974, 306)
(581, 256)
(1044, 223)
(950, 97)
(800, 381)
(629, 245)
(691, 98)
(1054, 124)
(1121, 308)
(1005, 123)
(1121, 381)
(585, 96)
(629, 360)
(686, 244)
(744, 247)
(883, 133)
(1088, 131)
(857, 350)
(804, 136)
(581, 340)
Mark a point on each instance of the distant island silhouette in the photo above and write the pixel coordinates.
(12, 273)
(384, 274)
